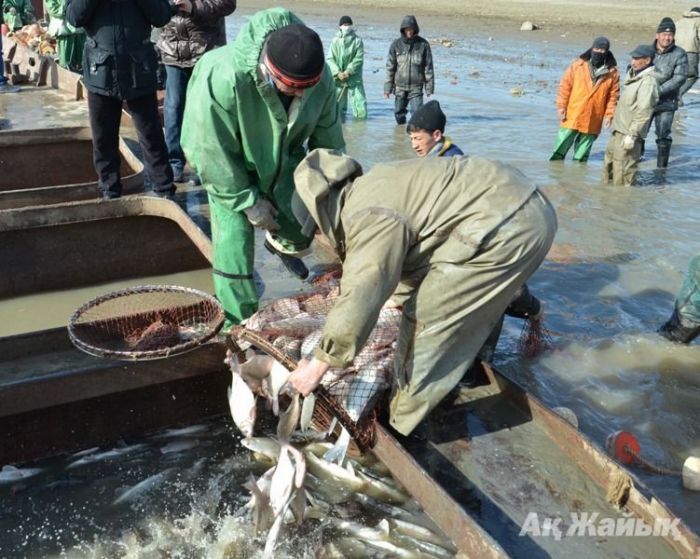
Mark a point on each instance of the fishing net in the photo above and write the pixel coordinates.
(293, 326)
(146, 322)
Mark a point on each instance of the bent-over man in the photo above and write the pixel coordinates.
(684, 324)
(459, 235)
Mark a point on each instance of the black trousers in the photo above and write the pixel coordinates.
(105, 117)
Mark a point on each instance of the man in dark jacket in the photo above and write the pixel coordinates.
(197, 28)
(671, 63)
(119, 65)
(409, 68)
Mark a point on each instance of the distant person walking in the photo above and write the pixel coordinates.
(586, 100)
(688, 38)
(671, 65)
(632, 119)
(409, 69)
(345, 58)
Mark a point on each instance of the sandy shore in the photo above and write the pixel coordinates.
(630, 21)
(629, 14)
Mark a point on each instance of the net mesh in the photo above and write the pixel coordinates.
(146, 322)
(294, 326)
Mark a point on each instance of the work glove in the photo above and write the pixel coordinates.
(342, 76)
(628, 142)
(13, 11)
(262, 215)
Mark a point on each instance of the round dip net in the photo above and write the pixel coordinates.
(146, 322)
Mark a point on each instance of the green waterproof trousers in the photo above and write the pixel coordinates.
(70, 51)
(566, 138)
(688, 300)
(449, 316)
(233, 251)
(358, 100)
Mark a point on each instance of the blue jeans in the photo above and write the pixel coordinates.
(2, 64)
(173, 110)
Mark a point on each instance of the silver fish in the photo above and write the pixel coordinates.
(178, 446)
(307, 412)
(107, 455)
(419, 533)
(332, 473)
(289, 418)
(10, 474)
(340, 448)
(241, 400)
(282, 482)
(382, 491)
(266, 446)
(142, 487)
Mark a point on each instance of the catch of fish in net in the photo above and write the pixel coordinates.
(308, 474)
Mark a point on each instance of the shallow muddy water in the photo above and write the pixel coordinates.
(618, 259)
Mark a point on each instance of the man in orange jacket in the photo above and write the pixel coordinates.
(587, 97)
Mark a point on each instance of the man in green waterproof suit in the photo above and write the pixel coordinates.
(17, 13)
(345, 58)
(70, 41)
(253, 107)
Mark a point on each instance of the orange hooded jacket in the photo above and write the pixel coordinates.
(586, 103)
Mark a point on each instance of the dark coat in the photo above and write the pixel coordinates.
(119, 59)
(672, 70)
(187, 37)
(409, 65)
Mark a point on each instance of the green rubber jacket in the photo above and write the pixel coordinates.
(347, 54)
(236, 132)
(23, 13)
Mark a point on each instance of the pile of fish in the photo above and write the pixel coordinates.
(295, 326)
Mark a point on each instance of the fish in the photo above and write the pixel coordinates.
(337, 452)
(241, 399)
(142, 487)
(183, 431)
(266, 446)
(260, 502)
(107, 455)
(332, 473)
(10, 474)
(178, 446)
(428, 549)
(289, 418)
(307, 412)
(382, 491)
(282, 482)
(273, 383)
(418, 532)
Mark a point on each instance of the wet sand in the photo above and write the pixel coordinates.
(631, 21)
(548, 14)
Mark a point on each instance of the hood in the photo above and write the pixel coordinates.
(322, 180)
(610, 61)
(409, 21)
(251, 38)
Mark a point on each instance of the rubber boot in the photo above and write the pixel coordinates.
(664, 150)
(524, 305)
(675, 331)
(294, 265)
